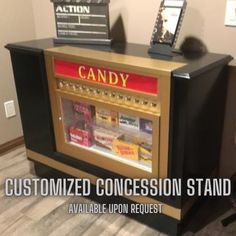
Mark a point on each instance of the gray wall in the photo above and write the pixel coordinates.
(16, 24)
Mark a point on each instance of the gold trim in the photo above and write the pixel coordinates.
(109, 105)
(164, 96)
(166, 210)
(83, 89)
(87, 155)
(126, 63)
(126, 91)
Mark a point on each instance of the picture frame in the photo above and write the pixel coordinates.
(167, 25)
(230, 13)
(82, 22)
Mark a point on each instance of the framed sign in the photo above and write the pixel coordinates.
(230, 14)
(82, 21)
(167, 25)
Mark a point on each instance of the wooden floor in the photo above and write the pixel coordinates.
(42, 216)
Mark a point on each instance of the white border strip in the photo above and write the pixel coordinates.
(82, 32)
(68, 14)
(173, 3)
(81, 24)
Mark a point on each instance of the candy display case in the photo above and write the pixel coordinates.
(120, 113)
(108, 116)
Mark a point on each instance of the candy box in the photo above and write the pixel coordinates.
(146, 126)
(104, 137)
(79, 136)
(130, 122)
(145, 151)
(105, 115)
(126, 148)
(83, 115)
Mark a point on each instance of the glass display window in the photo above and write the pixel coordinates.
(115, 135)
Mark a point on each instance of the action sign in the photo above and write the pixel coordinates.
(82, 21)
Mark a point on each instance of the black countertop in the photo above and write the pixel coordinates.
(193, 67)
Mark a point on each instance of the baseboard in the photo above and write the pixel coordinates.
(11, 144)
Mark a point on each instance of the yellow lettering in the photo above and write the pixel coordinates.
(102, 76)
(113, 78)
(80, 70)
(91, 75)
(124, 79)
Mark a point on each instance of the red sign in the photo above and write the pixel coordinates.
(107, 77)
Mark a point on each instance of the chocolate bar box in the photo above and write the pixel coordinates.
(130, 122)
(106, 116)
(104, 137)
(81, 132)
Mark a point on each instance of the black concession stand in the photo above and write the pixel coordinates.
(119, 112)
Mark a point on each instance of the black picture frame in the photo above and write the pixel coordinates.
(167, 26)
(82, 22)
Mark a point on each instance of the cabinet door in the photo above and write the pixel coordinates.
(109, 117)
(111, 137)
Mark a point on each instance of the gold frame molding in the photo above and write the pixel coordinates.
(144, 66)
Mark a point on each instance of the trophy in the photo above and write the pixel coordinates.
(82, 22)
(167, 27)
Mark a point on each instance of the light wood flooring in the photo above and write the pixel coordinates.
(43, 216)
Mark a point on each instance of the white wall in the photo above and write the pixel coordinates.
(44, 21)
(138, 18)
(205, 19)
(16, 24)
